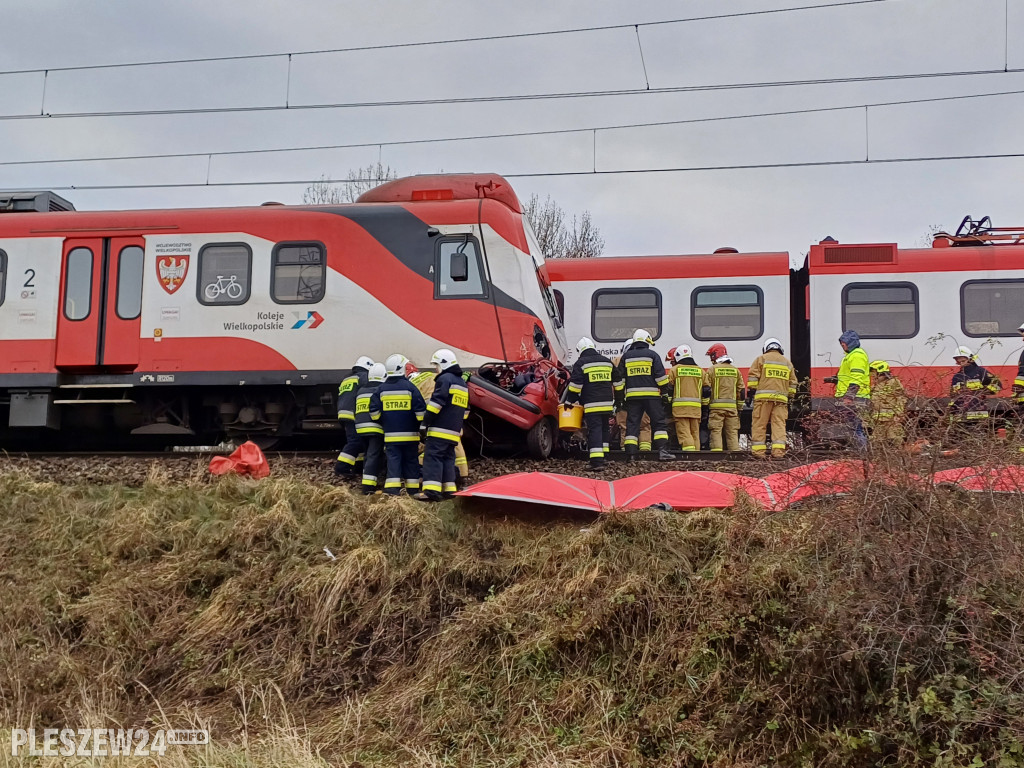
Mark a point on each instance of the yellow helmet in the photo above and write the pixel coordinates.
(879, 366)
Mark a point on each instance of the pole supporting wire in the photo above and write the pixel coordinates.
(288, 85)
(639, 45)
(867, 136)
(42, 103)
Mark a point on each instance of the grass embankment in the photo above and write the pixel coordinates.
(883, 628)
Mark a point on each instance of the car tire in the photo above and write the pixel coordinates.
(540, 440)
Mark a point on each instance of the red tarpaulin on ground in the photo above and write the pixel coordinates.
(247, 459)
(699, 490)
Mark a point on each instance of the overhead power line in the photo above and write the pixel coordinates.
(512, 134)
(284, 107)
(558, 174)
(447, 41)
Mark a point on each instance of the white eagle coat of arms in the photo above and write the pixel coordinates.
(172, 270)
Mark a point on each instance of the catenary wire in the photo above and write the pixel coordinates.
(515, 97)
(448, 41)
(513, 134)
(557, 174)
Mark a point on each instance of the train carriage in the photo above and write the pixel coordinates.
(244, 319)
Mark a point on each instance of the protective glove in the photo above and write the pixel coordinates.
(749, 402)
(831, 380)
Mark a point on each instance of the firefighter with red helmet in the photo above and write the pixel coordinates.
(592, 384)
(355, 446)
(687, 380)
(425, 381)
(447, 409)
(399, 407)
(642, 379)
(771, 383)
(722, 396)
(369, 431)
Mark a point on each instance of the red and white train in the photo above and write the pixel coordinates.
(241, 321)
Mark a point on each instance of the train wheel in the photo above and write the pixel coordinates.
(540, 440)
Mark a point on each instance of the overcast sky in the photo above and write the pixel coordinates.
(651, 212)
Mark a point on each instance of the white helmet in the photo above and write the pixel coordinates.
(377, 372)
(683, 351)
(444, 359)
(772, 343)
(963, 352)
(363, 362)
(641, 335)
(395, 365)
(584, 344)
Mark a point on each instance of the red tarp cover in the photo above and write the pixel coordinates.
(699, 490)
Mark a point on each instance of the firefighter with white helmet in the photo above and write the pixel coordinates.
(888, 405)
(354, 447)
(399, 407)
(425, 381)
(369, 431)
(970, 388)
(687, 381)
(722, 394)
(620, 407)
(447, 409)
(643, 378)
(592, 384)
(771, 384)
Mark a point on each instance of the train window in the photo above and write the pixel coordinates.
(457, 269)
(3, 276)
(991, 307)
(298, 273)
(560, 304)
(224, 274)
(78, 284)
(727, 312)
(617, 312)
(129, 283)
(881, 310)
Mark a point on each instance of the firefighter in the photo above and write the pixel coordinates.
(722, 394)
(620, 410)
(399, 407)
(354, 447)
(1018, 384)
(687, 381)
(970, 387)
(888, 405)
(424, 382)
(447, 409)
(371, 432)
(642, 378)
(591, 383)
(771, 383)
(853, 386)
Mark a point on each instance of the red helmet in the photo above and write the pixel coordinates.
(410, 369)
(717, 350)
(670, 356)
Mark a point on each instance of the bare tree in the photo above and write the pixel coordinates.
(326, 192)
(579, 239)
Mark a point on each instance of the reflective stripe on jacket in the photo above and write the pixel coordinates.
(347, 394)
(399, 407)
(854, 370)
(642, 372)
(450, 404)
(592, 382)
(688, 380)
(772, 377)
(726, 388)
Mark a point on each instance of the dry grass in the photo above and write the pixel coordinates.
(882, 628)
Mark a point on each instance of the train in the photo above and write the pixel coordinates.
(197, 325)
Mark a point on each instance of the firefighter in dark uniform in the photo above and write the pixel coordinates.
(355, 446)
(642, 377)
(447, 409)
(424, 381)
(370, 431)
(399, 408)
(591, 384)
(970, 388)
(1018, 385)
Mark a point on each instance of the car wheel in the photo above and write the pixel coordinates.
(540, 440)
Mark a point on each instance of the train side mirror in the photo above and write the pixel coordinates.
(459, 267)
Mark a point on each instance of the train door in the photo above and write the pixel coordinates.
(99, 320)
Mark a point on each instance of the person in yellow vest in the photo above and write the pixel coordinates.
(771, 383)
(687, 380)
(424, 382)
(888, 406)
(722, 395)
(853, 386)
